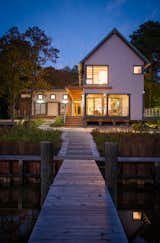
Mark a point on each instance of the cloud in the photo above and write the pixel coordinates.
(113, 5)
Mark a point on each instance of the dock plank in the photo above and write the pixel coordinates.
(78, 208)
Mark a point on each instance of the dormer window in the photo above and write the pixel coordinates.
(137, 69)
(96, 74)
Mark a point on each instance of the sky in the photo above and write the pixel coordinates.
(76, 26)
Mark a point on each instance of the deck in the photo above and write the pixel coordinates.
(78, 208)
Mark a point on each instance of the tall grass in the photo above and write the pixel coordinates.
(130, 144)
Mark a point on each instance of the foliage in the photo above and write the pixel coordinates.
(147, 39)
(22, 56)
(30, 134)
(60, 78)
(59, 122)
(130, 144)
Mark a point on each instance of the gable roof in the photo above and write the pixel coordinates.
(132, 47)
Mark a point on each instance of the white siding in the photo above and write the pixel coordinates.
(120, 59)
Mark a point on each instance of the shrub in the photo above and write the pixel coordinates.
(30, 134)
(59, 122)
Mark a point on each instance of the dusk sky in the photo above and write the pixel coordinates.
(76, 26)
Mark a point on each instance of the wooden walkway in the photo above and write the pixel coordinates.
(78, 208)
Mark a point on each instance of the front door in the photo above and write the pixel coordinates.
(77, 108)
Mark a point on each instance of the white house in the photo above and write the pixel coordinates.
(111, 82)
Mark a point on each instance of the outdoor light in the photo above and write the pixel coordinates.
(65, 97)
(40, 101)
(53, 96)
(137, 215)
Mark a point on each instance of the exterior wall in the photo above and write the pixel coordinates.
(120, 59)
(52, 106)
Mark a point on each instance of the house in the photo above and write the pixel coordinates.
(45, 103)
(111, 86)
(111, 83)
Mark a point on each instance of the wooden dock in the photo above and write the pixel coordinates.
(78, 208)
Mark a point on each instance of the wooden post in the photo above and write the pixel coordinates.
(157, 173)
(111, 168)
(46, 167)
(20, 164)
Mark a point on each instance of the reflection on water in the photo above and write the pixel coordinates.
(19, 208)
(139, 211)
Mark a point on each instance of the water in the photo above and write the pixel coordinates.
(19, 208)
(139, 211)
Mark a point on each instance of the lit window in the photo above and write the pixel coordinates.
(137, 215)
(53, 96)
(137, 69)
(97, 75)
(96, 104)
(118, 105)
(40, 96)
(65, 97)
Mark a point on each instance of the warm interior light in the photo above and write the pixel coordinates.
(137, 69)
(137, 215)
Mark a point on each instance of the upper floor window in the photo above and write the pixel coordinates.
(96, 74)
(40, 97)
(53, 96)
(65, 97)
(137, 69)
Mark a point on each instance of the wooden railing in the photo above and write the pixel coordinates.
(152, 112)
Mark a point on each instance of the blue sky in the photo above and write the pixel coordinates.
(76, 26)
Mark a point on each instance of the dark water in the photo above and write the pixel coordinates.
(19, 208)
(139, 211)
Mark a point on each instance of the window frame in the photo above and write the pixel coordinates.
(94, 104)
(142, 68)
(128, 116)
(97, 65)
(40, 104)
(107, 116)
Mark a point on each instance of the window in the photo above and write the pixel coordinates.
(96, 104)
(53, 96)
(65, 97)
(40, 108)
(96, 74)
(118, 105)
(137, 69)
(40, 97)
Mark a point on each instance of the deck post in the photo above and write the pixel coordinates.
(46, 167)
(157, 173)
(20, 163)
(111, 168)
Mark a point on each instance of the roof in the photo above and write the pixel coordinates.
(132, 47)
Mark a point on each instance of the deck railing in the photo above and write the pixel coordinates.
(152, 112)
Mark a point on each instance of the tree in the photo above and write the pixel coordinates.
(147, 39)
(22, 56)
(13, 66)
